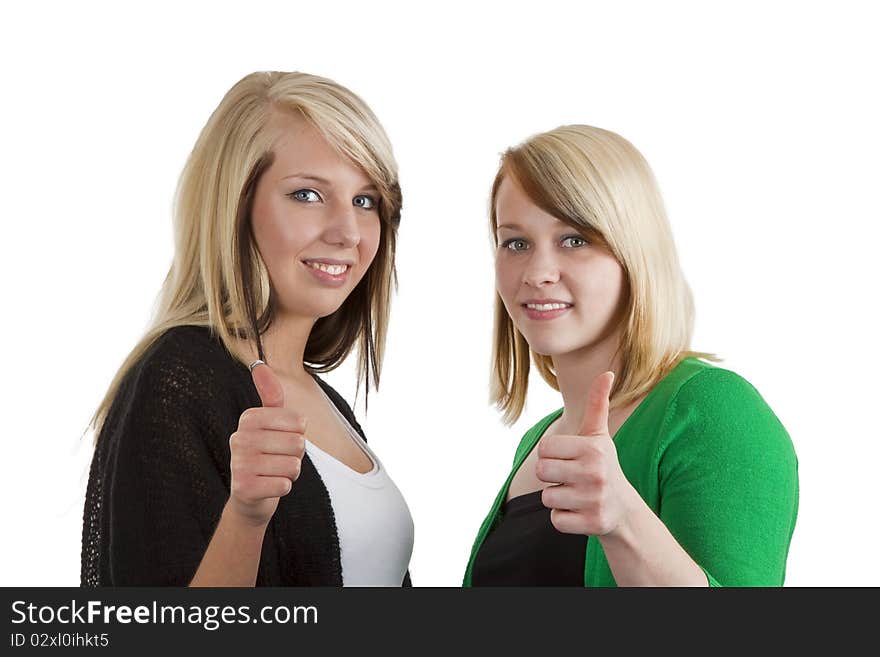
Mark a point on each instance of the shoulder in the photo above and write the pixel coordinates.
(190, 356)
(701, 379)
(185, 347)
(186, 369)
(713, 408)
(703, 390)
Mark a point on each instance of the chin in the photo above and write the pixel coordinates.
(546, 347)
(313, 308)
(551, 353)
(325, 310)
(553, 345)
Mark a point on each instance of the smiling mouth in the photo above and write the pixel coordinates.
(547, 306)
(333, 270)
(546, 311)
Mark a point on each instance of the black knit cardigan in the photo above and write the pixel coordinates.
(160, 477)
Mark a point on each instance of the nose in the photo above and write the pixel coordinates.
(342, 228)
(541, 268)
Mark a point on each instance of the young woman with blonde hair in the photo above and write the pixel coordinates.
(661, 469)
(221, 457)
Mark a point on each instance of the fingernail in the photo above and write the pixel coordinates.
(254, 364)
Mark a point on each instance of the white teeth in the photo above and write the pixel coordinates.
(547, 306)
(335, 270)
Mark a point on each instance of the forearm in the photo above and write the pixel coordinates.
(233, 555)
(642, 552)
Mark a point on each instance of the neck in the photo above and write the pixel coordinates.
(575, 373)
(284, 345)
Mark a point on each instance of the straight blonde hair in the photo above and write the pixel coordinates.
(218, 279)
(598, 183)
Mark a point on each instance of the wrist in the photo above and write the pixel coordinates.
(240, 522)
(624, 533)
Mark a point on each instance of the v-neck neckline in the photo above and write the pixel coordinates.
(541, 428)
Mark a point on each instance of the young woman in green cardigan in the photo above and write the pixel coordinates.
(661, 469)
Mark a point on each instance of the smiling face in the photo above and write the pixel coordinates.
(315, 220)
(563, 293)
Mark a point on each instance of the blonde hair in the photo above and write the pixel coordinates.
(597, 182)
(218, 279)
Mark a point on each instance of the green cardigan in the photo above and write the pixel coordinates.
(710, 458)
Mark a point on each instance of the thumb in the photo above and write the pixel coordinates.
(595, 420)
(267, 384)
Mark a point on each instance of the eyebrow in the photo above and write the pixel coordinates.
(559, 225)
(307, 177)
(324, 181)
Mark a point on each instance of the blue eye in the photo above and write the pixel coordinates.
(364, 202)
(305, 196)
(515, 244)
(574, 241)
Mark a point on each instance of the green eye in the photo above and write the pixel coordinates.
(364, 202)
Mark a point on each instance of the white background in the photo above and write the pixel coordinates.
(759, 119)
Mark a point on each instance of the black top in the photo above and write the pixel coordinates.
(159, 477)
(525, 549)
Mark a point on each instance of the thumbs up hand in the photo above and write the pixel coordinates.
(593, 497)
(266, 451)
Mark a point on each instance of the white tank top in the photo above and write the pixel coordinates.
(373, 522)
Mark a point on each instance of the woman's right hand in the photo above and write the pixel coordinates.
(267, 451)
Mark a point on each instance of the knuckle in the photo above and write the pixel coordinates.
(584, 470)
(236, 462)
(239, 442)
(295, 419)
(541, 468)
(544, 446)
(243, 466)
(240, 487)
(248, 418)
